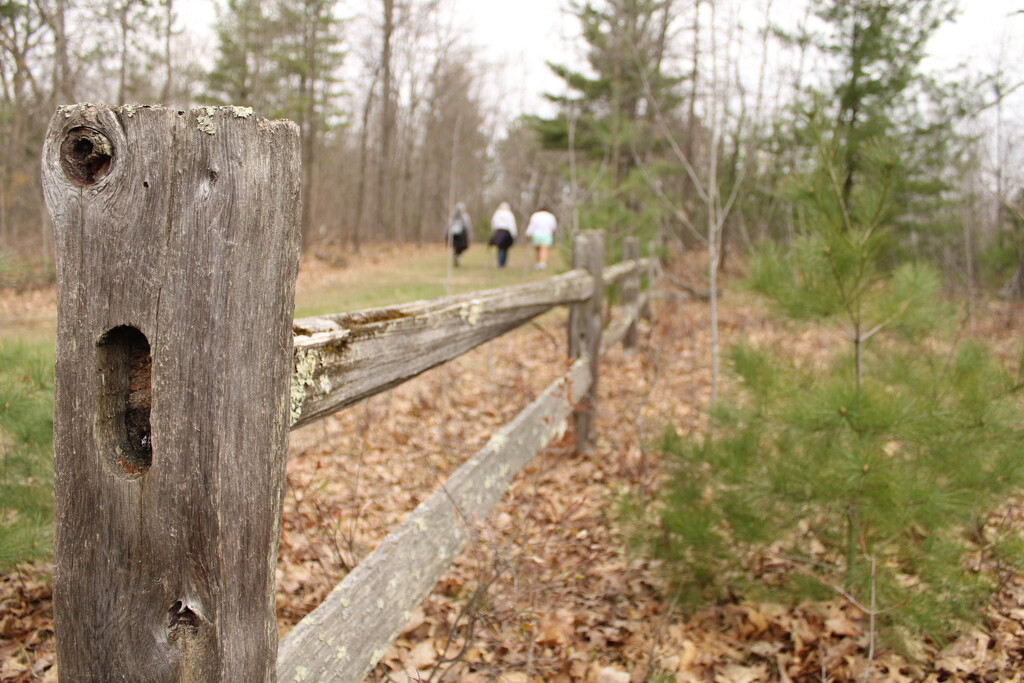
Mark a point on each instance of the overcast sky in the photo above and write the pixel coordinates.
(525, 34)
(517, 37)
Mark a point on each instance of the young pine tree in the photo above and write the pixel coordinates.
(869, 470)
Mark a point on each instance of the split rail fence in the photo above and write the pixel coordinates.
(180, 373)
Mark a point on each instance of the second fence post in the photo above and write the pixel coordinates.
(177, 250)
(631, 290)
(650, 273)
(585, 325)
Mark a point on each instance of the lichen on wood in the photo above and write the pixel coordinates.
(204, 118)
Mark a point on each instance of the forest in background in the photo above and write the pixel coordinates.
(684, 121)
(872, 454)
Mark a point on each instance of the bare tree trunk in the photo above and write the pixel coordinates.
(55, 19)
(122, 82)
(309, 132)
(715, 216)
(421, 196)
(65, 85)
(7, 138)
(165, 93)
(406, 216)
(384, 176)
(1015, 288)
(454, 163)
(968, 214)
(364, 137)
(690, 143)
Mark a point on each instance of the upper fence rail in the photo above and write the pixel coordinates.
(341, 359)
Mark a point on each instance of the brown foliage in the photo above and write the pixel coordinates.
(546, 590)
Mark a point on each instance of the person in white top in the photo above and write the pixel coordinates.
(541, 231)
(503, 231)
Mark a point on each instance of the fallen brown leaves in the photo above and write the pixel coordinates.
(26, 625)
(546, 590)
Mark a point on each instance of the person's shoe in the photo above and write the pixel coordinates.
(540, 266)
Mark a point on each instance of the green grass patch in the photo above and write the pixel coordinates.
(26, 451)
(426, 276)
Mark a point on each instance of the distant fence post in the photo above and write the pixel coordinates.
(177, 250)
(652, 269)
(585, 325)
(631, 290)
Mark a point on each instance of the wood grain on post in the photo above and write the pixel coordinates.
(585, 325)
(631, 289)
(177, 250)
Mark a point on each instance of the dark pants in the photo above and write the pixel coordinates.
(460, 243)
(502, 239)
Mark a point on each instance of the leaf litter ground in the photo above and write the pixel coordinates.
(546, 590)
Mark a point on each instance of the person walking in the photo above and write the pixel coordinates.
(503, 231)
(541, 232)
(458, 232)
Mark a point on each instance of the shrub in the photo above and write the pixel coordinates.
(870, 473)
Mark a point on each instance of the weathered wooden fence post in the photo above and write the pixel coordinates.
(585, 325)
(652, 270)
(631, 290)
(177, 250)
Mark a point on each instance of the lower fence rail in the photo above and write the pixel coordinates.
(348, 633)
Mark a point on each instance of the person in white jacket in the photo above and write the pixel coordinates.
(541, 232)
(503, 231)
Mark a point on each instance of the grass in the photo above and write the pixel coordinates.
(423, 276)
(26, 371)
(26, 451)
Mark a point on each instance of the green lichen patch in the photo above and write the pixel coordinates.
(205, 120)
(471, 311)
(306, 364)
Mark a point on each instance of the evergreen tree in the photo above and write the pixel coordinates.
(244, 71)
(879, 45)
(606, 118)
(282, 59)
(870, 470)
(876, 89)
(307, 57)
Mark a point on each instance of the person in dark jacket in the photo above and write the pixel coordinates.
(458, 231)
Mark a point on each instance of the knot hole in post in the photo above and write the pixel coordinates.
(125, 397)
(182, 621)
(85, 155)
